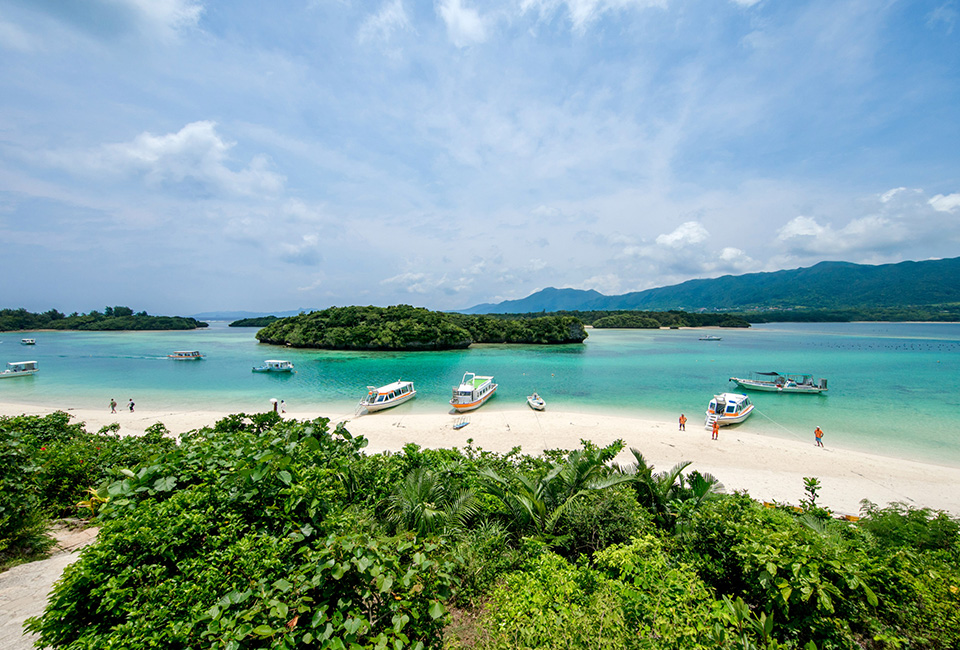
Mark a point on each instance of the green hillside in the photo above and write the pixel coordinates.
(825, 286)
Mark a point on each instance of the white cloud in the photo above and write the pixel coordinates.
(872, 233)
(800, 226)
(13, 37)
(465, 26)
(889, 194)
(687, 233)
(608, 284)
(165, 15)
(945, 203)
(391, 18)
(746, 3)
(584, 12)
(194, 159)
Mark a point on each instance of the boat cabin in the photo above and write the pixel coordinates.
(185, 354)
(20, 369)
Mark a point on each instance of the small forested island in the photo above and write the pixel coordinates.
(259, 321)
(402, 327)
(110, 319)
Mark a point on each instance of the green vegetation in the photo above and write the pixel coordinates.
(927, 313)
(930, 285)
(642, 319)
(403, 327)
(112, 318)
(259, 321)
(269, 533)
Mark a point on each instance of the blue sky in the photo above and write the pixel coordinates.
(181, 156)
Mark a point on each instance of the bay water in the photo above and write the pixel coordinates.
(894, 388)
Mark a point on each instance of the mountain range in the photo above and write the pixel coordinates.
(827, 285)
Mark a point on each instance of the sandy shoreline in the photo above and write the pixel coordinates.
(769, 468)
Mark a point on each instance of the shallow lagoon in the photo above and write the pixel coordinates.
(894, 387)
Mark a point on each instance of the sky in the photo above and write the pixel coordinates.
(182, 156)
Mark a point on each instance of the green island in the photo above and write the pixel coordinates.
(110, 319)
(402, 327)
(260, 532)
(258, 321)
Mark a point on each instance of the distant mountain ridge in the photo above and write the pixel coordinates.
(827, 285)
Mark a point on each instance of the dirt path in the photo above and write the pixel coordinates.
(24, 588)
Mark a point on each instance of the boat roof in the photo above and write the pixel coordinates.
(475, 380)
(390, 387)
(276, 361)
(784, 374)
(21, 363)
(730, 397)
(186, 351)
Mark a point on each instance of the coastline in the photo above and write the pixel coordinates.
(769, 468)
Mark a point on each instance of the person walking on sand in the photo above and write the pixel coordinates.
(113, 405)
(283, 406)
(715, 435)
(130, 405)
(818, 434)
(683, 422)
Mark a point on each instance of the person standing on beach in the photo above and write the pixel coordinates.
(130, 405)
(683, 422)
(282, 406)
(818, 434)
(113, 405)
(716, 431)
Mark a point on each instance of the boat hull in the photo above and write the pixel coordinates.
(724, 420)
(469, 406)
(397, 401)
(19, 373)
(770, 387)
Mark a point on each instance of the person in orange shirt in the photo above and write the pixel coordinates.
(683, 422)
(818, 434)
(716, 431)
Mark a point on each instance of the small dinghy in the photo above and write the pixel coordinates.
(536, 402)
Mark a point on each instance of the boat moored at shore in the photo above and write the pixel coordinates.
(185, 355)
(20, 369)
(782, 382)
(274, 365)
(384, 397)
(536, 402)
(728, 408)
(474, 390)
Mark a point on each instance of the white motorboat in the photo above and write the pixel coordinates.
(185, 355)
(710, 337)
(728, 408)
(274, 365)
(536, 402)
(20, 369)
(387, 396)
(472, 392)
(778, 382)
(28, 341)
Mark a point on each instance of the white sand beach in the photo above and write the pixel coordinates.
(769, 468)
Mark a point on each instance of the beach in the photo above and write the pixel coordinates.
(770, 468)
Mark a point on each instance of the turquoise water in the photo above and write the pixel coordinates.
(894, 387)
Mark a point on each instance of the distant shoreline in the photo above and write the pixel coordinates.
(769, 468)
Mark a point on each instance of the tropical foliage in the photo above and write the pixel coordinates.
(403, 327)
(111, 318)
(267, 533)
(258, 321)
